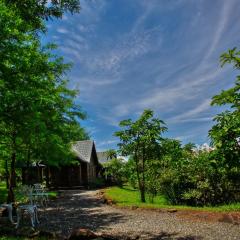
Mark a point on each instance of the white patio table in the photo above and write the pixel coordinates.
(39, 194)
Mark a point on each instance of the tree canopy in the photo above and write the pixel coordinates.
(39, 117)
(226, 132)
(33, 12)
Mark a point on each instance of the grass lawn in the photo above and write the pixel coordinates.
(3, 194)
(127, 197)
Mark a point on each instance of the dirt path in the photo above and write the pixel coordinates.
(75, 209)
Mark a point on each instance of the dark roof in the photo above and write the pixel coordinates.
(83, 149)
(103, 157)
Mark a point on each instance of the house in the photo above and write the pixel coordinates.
(81, 174)
(103, 157)
(34, 173)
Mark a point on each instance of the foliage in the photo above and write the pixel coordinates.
(184, 177)
(115, 169)
(3, 192)
(111, 153)
(38, 113)
(34, 12)
(207, 178)
(130, 173)
(196, 181)
(129, 197)
(225, 134)
(181, 174)
(141, 140)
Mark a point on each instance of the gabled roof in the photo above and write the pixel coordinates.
(84, 149)
(103, 157)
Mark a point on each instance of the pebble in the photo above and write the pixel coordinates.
(86, 210)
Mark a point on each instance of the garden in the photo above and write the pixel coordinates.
(183, 174)
(41, 118)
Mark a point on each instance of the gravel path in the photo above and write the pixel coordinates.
(83, 209)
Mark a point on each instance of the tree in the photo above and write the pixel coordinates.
(38, 115)
(111, 153)
(115, 168)
(141, 140)
(33, 12)
(130, 172)
(226, 131)
(189, 147)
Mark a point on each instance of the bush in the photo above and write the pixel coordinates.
(199, 181)
(114, 169)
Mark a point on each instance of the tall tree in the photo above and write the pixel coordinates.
(141, 140)
(38, 115)
(226, 132)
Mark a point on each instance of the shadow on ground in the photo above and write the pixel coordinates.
(75, 209)
(162, 236)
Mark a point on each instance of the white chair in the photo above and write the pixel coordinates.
(39, 194)
(30, 208)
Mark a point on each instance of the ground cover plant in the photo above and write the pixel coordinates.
(129, 197)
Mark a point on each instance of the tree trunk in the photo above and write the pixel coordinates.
(10, 192)
(12, 178)
(142, 192)
(143, 177)
(10, 197)
(140, 185)
(7, 173)
(13, 170)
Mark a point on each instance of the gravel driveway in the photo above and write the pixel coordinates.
(84, 209)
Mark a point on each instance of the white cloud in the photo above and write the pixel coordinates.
(105, 145)
(152, 61)
(62, 30)
(167, 98)
(194, 112)
(222, 24)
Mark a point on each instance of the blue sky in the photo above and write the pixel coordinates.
(163, 55)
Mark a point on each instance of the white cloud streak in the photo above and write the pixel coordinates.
(164, 63)
(222, 24)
